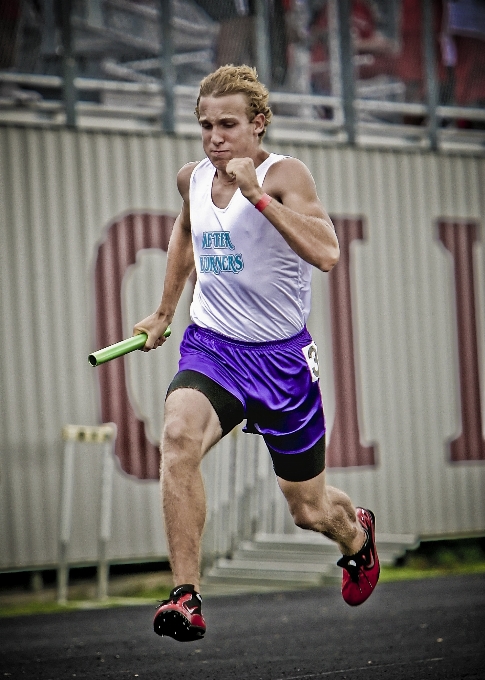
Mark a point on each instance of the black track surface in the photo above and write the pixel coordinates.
(432, 629)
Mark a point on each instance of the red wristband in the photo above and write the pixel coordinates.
(263, 202)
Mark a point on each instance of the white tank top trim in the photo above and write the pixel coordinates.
(251, 285)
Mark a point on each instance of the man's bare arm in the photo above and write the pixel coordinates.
(296, 211)
(180, 264)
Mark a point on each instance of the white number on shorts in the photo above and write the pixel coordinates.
(311, 356)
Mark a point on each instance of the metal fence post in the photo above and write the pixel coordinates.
(167, 67)
(68, 64)
(105, 519)
(263, 59)
(233, 499)
(65, 519)
(49, 42)
(347, 68)
(101, 434)
(430, 70)
(95, 13)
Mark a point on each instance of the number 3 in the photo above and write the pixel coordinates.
(311, 355)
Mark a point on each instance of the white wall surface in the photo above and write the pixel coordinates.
(59, 190)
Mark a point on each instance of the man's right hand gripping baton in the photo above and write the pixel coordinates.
(121, 348)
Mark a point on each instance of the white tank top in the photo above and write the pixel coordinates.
(250, 284)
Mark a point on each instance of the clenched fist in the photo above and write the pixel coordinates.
(243, 170)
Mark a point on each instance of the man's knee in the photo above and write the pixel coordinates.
(302, 518)
(179, 433)
(306, 500)
(190, 429)
(307, 515)
(190, 421)
(181, 450)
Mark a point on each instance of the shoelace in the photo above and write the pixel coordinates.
(160, 603)
(175, 598)
(352, 564)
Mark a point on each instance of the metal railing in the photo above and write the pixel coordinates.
(288, 126)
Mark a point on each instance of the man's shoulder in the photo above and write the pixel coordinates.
(284, 164)
(187, 169)
(184, 175)
(287, 171)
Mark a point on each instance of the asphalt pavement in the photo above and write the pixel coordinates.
(431, 629)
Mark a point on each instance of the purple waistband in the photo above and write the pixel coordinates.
(284, 342)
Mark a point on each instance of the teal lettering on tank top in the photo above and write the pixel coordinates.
(217, 239)
(216, 264)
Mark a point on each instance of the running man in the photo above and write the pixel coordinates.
(253, 227)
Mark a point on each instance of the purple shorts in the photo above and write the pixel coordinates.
(276, 383)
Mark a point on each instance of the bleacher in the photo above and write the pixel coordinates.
(393, 73)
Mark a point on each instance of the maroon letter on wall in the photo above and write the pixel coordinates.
(118, 251)
(345, 449)
(458, 238)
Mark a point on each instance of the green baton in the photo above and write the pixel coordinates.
(120, 348)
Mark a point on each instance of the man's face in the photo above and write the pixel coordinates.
(226, 130)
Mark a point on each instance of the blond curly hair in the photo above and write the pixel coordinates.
(243, 79)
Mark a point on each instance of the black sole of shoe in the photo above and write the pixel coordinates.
(176, 626)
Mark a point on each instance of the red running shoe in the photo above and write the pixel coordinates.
(361, 571)
(180, 616)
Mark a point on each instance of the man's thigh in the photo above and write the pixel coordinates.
(299, 467)
(311, 492)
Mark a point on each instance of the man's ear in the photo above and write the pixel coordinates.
(259, 121)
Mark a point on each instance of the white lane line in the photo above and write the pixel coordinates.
(370, 666)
